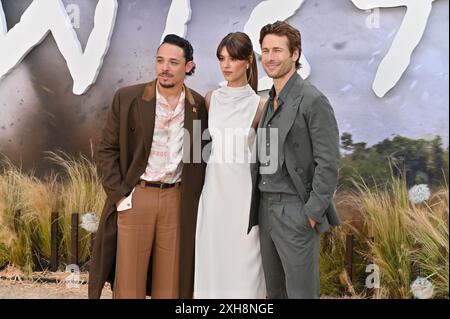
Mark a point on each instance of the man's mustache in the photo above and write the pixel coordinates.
(165, 74)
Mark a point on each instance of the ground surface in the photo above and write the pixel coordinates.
(14, 286)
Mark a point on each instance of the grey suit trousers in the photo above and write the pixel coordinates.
(289, 248)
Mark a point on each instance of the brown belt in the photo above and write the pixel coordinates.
(144, 183)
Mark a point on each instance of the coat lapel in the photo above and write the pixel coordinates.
(257, 145)
(290, 109)
(260, 126)
(147, 112)
(287, 117)
(263, 115)
(190, 114)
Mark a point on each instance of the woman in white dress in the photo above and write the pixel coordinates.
(227, 260)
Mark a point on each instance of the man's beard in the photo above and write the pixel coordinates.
(285, 69)
(281, 73)
(167, 86)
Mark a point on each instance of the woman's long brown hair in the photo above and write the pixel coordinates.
(239, 46)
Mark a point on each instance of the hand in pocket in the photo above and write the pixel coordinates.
(125, 203)
(312, 222)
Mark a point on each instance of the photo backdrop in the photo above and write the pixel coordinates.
(353, 51)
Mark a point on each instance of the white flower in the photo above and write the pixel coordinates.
(422, 288)
(419, 193)
(89, 222)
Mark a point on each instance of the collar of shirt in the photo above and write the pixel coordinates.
(285, 91)
(162, 102)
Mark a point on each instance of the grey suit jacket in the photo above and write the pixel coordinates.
(309, 139)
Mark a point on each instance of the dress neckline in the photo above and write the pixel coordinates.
(225, 93)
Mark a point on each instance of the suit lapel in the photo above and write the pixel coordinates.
(290, 109)
(264, 114)
(254, 166)
(287, 117)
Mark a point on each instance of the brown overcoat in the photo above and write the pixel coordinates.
(121, 159)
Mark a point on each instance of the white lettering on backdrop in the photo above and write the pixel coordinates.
(178, 17)
(44, 16)
(408, 37)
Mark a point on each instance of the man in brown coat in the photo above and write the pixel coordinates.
(149, 160)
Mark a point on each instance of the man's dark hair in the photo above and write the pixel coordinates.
(184, 44)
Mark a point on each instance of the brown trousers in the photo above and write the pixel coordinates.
(150, 227)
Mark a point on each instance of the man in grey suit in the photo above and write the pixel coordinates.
(293, 204)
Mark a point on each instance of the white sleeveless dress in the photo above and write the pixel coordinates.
(227, 260)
